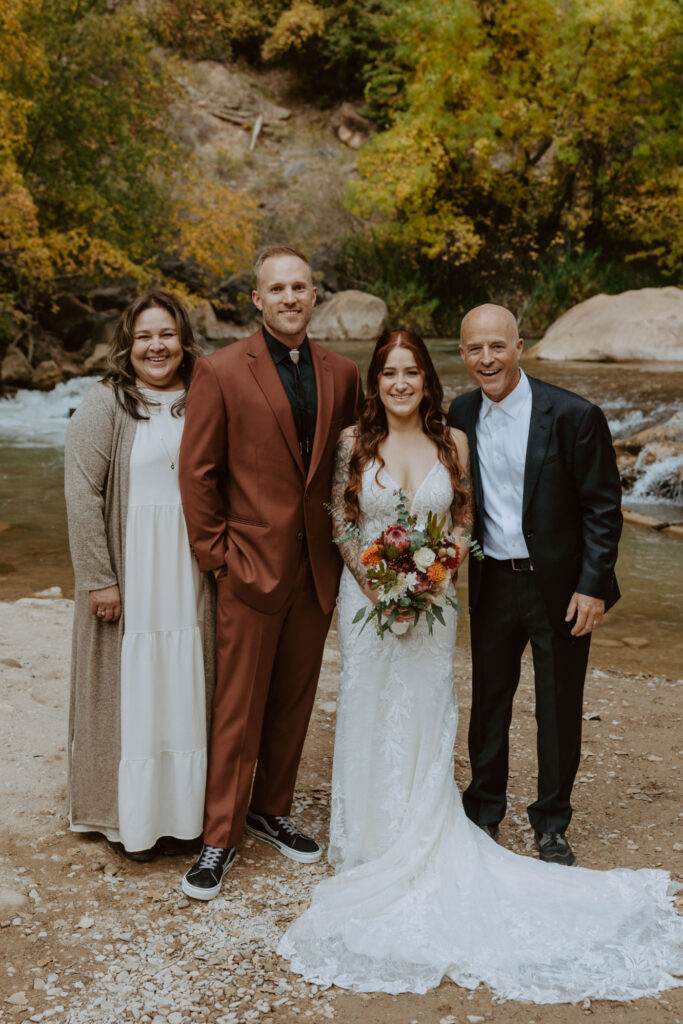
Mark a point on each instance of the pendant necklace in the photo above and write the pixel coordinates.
(168, 454)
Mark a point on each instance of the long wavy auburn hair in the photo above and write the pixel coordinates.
(373, 427)
(120, 374)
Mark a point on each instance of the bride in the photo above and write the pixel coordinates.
(420, 892)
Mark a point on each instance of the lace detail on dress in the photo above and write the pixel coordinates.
(420, 892)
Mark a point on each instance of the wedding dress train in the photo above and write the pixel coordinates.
(420, 892)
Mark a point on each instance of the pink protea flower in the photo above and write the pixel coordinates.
(396, 537)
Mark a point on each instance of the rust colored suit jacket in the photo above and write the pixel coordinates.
(247, 502)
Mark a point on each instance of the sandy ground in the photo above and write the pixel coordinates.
(87, 937)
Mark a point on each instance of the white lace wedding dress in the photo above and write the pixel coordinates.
(420, 892)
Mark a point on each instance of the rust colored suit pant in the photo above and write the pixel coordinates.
(267, 674)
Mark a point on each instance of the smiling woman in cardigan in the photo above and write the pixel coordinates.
(142, 662)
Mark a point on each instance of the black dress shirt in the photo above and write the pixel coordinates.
(302, 394)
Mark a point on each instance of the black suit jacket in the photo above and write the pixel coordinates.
(571, 516)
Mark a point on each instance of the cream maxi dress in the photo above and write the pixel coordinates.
(162, 770)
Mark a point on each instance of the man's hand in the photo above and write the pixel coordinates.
(589, 612)
(106, 604)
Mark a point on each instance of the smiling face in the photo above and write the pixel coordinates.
(156, 353)
(491, 349)
(401, 384)
(285, 294)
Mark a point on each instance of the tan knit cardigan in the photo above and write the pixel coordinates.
(99, 442)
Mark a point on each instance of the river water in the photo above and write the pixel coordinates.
(34, 550)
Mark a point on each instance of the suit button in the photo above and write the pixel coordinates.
(299, 536)
(307, 497)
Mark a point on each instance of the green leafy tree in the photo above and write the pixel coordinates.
(529, 128)
(92, 183)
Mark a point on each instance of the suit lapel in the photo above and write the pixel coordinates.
(266, 376)
(324, 382)
(471, 431)
(539, 436)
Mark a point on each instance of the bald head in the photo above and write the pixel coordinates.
(491, 315)
(491, 348)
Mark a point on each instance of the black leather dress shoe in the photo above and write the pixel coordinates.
(553, 848)
(169, 846)
(142, 856)
(491, 830)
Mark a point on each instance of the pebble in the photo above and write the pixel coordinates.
(17, 999)
(86, 922)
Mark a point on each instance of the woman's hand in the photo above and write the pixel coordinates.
(106, 604)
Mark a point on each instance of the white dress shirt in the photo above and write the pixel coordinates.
(502, 436)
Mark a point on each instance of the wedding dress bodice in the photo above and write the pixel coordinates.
(379, 496)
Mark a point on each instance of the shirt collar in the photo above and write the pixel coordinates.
(513, 404)
(280, 352)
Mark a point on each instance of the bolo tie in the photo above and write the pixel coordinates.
(304, 442)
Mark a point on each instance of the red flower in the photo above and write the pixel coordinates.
(396, 541)
(398, 536)
(423, 583)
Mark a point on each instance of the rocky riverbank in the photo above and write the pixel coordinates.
(91, 938)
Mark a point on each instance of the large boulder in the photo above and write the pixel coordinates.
(46, 374)
(206, 325)
(349, 316)
(644, 324)
(15, 370)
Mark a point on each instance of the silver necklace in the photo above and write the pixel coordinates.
(168, 454)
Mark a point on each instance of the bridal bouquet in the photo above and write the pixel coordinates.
(409, 568)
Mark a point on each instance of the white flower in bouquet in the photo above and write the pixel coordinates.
(398, 590)
(423, 558)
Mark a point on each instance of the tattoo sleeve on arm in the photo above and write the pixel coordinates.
(350, 548)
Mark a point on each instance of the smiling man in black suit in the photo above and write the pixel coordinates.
(548, 517)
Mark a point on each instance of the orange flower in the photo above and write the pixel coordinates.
(371, 556)
(437, 572)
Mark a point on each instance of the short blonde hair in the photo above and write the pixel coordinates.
(276, 250)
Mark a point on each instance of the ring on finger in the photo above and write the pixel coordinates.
(101, 614)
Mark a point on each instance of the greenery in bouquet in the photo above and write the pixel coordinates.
(409, 567)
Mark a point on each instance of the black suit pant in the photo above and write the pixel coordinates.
(510, 612)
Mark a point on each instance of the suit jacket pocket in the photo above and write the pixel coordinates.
(232, 518)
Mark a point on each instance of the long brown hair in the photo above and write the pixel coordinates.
(373, 428)
(120, 374)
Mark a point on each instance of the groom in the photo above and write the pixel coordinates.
(261, 424)
(548, 517)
